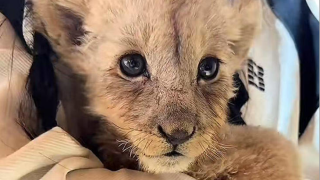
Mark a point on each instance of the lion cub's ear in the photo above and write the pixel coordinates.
(60, 20)
(246, 23)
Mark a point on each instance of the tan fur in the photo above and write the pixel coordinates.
(251, 153)
(173, 35)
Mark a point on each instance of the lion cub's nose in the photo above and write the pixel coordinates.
(178, 136)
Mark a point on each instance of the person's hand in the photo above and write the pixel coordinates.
(124, 174)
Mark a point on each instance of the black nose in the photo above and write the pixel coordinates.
(177, 137)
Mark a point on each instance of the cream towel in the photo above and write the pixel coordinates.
(53, 155)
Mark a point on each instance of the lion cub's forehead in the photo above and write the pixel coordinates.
(134, 13)
(193, 27)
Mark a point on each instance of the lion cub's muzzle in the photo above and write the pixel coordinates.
(176, 137)
(177, 127)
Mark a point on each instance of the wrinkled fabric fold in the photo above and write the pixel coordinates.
(55, 152)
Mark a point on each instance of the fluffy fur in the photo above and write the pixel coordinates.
(253, 153)
(111, 113)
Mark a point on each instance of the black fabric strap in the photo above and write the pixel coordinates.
(42, 82)
(236, 103)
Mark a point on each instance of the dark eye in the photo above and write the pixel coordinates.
(208, 68)
(133, 65)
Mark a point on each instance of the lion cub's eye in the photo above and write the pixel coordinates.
(208, 68)
(133, 65)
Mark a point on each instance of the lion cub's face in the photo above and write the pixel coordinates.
(159, 71)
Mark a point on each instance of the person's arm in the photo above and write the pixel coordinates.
(14, 65)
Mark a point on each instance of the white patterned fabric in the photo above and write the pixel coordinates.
(275, 57)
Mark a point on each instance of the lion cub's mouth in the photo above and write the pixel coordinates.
(173, 154)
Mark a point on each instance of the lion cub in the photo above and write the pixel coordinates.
(152, 82)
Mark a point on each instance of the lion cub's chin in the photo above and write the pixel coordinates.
(163, 164)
